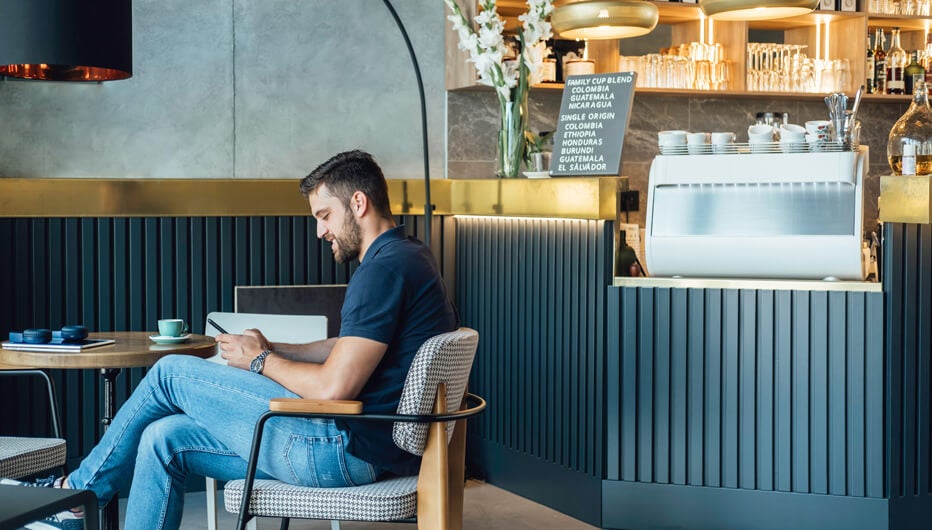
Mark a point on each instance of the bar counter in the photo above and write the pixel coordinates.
(626, 403)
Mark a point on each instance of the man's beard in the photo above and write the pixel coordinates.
(350, 243)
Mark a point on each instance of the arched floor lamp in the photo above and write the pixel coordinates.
(428, 209)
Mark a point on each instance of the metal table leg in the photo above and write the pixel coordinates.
(110, 514)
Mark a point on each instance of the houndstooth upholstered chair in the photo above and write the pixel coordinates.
(436, 384)
(24, 457)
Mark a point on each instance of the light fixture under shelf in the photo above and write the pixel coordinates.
(604, 19)
(756, 9)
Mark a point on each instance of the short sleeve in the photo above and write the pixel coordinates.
(373, 305)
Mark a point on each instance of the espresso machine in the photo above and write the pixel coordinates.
(796, 215)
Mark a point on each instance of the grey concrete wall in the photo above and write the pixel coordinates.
(239, 88)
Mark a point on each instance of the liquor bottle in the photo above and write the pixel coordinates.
(914, 128)
(896, 65)
(869, 69)
(880, 64)
(927, 61)
(913, 73)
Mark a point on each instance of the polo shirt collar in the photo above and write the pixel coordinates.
(386, 237)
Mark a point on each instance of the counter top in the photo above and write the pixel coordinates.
(573, 198)
(905, 199)
(748, 283)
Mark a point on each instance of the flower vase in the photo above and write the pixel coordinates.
(511, 135)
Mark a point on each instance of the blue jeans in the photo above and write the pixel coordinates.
(189, 415)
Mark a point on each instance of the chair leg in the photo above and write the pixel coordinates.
(457, 476)
(252, 524)
(213, 522)
(433, 480)
(285, 522)
(334, 525)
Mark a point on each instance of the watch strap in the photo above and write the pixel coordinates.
(258, 364)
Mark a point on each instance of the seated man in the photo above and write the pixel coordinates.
(192, 416)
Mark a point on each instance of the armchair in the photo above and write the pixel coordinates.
(22, 457)
(435, 385)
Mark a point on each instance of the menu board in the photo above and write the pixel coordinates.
(594, 115)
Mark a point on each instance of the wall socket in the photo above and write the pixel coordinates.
(629, 201)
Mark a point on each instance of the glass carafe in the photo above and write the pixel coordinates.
(914, 128)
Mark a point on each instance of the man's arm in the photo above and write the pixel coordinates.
(314, 352)
(341, 375)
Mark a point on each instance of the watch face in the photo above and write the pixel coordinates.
(256, 365)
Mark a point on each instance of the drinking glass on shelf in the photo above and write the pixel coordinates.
(703, 79)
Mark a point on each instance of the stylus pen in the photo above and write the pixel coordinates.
(217, 326)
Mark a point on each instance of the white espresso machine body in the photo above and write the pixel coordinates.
(749, 215)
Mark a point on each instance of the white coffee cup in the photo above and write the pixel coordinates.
(792, 133)
(723, 138)
(698, 143)
(671, 137)
(818, 126)
(760, 133)
(723, 142)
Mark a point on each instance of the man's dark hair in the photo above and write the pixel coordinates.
(345, 174)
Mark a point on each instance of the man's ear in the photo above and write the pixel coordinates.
(359, 204)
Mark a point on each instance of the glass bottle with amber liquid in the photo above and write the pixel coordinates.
(913, 129)
(896, 65)
(880, 64)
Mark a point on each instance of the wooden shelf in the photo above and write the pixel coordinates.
(798, 96)
(847, 32)
(903, 22)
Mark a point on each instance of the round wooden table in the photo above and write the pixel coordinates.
(131, 349)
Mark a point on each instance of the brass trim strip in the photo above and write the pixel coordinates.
(574, 198)
(731, 283)
(905, 199)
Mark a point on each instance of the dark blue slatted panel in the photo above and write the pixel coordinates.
(534, 289)
(777, 389)
(126, 273)
(907, 277)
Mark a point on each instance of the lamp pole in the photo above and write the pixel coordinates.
(428, 209)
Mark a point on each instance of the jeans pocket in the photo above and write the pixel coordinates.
(317, 461)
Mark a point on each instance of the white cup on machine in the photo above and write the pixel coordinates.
(697, 143)
(723, 142)
(672, 142)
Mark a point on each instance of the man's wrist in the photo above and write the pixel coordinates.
(258, 364)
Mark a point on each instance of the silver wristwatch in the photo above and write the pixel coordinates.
(258, 363)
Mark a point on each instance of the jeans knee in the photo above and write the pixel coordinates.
(173, 364)
(160, 439)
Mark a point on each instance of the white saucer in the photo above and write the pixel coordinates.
(160, 339)
(537, 174)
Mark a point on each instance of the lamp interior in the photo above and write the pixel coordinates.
(67, 40)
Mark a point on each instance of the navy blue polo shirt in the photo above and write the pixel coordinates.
(395, 297)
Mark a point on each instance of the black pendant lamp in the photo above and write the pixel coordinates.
(67, 40)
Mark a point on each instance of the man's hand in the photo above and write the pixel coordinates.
(240, 350)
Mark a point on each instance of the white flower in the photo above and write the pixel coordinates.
(486, 46)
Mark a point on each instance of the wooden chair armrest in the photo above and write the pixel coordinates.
(325, 406)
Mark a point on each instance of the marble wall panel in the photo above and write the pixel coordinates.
(471, 151)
